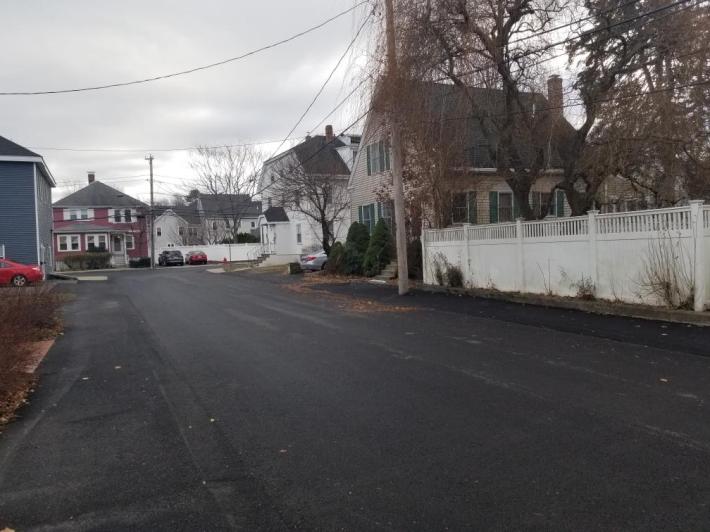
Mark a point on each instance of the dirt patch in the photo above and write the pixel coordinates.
(310, 285)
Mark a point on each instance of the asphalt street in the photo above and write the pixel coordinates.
(185, 400)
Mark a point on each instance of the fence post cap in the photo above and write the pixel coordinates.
(696, 202)
(593, 212)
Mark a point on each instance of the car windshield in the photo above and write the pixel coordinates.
(174, 254)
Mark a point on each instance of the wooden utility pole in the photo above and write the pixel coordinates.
(149, 158)
(392, 84)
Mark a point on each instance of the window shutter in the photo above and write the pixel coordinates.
(381, 148)
(369, 161)
(379, 210)
(359, 209)
(388, 149)
(493, 206)
(516, 209)
(472, 218)
(560, 203)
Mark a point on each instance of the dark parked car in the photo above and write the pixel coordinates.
(171, 258)
(195, 257)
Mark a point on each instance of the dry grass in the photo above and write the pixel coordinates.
(26, 315)
(309, 285)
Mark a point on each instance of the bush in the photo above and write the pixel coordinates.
(26, 314)
(336, 259)
(415, 259)
(139, 262)
(454, 276)
(93, 260)
(355, 247)
(379, 252)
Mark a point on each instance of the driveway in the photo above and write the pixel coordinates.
(185, 400)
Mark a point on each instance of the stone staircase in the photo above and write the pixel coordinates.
(389, 272)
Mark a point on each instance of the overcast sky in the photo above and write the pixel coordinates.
(51, 45)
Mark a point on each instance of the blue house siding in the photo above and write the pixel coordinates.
(18, 229)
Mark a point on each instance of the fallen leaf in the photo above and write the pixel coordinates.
(283, 450)
(211, 420)
(663, 380)
(85, 378)
(117, 367)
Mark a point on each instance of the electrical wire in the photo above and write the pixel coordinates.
(324, 84)
(191, 70)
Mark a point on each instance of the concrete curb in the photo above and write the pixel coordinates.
(596, 307)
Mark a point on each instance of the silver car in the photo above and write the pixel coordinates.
(314, 261)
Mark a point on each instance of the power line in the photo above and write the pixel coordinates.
(141, 150)
(191, 70)
(324, 84)
(576, 37)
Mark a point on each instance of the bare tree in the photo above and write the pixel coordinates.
(645, 115)
(322, 198)
(229, 174)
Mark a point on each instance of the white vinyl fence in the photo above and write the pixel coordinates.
(219, 252)
(619, 256)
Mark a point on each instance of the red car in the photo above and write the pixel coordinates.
(18, 274)
(196, 257)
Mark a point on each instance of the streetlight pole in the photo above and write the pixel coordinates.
(149, 158)
(397, 184)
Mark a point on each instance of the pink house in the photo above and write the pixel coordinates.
(100, 218)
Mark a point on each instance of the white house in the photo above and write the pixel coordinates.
(323, 161)
(177, 226)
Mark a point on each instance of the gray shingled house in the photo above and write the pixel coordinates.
(25, 205)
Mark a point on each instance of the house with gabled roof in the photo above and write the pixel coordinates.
(177, 225)
(224, 216)
(25, 205)
(322, 163)
(472, 189)
(100, 218)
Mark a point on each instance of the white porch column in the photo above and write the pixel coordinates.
(521, 257)
(593, 255)
(697, 234)
(467, 247)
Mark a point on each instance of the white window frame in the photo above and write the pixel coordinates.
(130, 242)
(79, 215)
(68, 238)
(122, 216)
(95, 235)
(158, 231)
(299, 235)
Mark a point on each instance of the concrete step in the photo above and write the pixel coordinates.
(389, 272)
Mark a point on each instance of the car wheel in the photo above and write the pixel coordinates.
(323, 265)
(19, 280)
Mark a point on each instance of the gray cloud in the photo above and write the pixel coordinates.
(77, 43)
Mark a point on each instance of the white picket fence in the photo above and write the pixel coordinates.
(611, 253)
(220, 252)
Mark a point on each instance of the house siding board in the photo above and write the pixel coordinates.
(18, 227)
(364, 185)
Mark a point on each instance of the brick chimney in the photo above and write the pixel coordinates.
(554, 96)
(329, 133)
(92, 177)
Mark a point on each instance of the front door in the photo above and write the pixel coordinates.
(117, 244)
